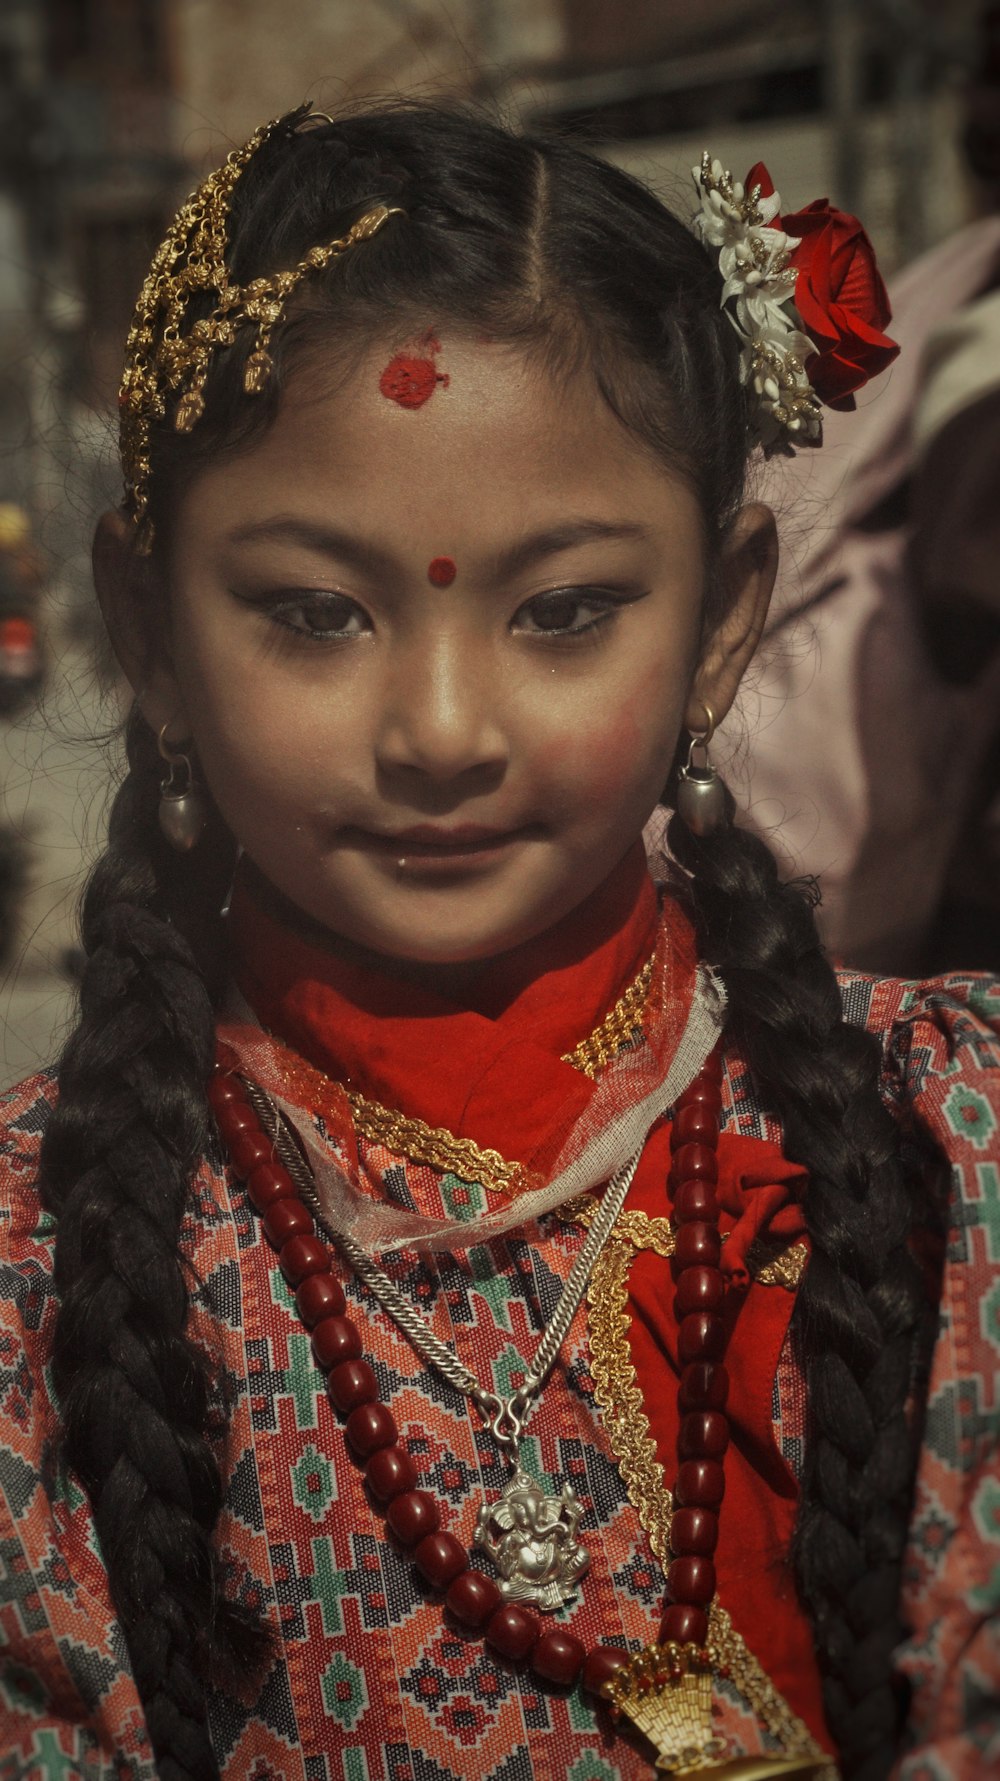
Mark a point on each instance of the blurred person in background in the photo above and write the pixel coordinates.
(21, 574)
(21, 675)
(876, 727)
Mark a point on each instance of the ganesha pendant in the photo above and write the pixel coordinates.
(532, 1541)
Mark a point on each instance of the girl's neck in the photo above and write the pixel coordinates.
(487, 985)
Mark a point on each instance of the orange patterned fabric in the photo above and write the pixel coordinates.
(370, 1684)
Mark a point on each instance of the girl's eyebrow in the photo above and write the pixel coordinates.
(361, 554)
(315, 535)
(548, 543)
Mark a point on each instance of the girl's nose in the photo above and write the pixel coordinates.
(440, 716)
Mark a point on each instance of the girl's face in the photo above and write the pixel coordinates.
(435, 637)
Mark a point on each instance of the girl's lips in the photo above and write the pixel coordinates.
(425, 845)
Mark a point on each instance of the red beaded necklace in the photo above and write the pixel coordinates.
(556, 1655)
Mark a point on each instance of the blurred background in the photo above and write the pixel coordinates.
(110, 110)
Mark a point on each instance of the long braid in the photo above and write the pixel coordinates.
(861, 1310)
(118, 1155)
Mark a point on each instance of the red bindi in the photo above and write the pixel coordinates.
(411, 378)
(441, 571)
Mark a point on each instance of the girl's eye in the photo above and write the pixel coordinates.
(327, 617)
(566, 612)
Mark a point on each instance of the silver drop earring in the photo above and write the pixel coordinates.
(227, 901)
(701, 798)
(182, 812)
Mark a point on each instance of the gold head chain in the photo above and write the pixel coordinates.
(164, 357)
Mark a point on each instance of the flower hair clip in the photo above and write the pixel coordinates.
(805, 296)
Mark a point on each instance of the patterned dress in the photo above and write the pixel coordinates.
(370, 1682)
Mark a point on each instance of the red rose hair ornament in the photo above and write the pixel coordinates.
(805, 296)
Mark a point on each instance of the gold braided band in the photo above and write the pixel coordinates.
(166, 355)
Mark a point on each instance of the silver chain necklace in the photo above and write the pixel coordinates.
(531, 1536)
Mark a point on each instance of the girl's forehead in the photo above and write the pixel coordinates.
(445, 419)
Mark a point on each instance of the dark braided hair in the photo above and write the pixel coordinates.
(538, 244)
(861, 1310)
(136, 1395)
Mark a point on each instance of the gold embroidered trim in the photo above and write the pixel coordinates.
(438, 1147)
(435, 1145)
(620, 1400)
(784, 1268)
(767, 1265)
(617, 1031)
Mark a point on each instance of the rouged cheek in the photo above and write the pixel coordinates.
(411, 378)
(606, 759)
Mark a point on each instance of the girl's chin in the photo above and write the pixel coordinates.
(437, 937)
(441, 918)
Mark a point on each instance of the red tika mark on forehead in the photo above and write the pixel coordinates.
(442, 571)
(411, 378)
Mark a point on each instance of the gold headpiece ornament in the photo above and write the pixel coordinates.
(163, 357)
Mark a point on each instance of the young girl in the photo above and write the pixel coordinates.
(467, 1307)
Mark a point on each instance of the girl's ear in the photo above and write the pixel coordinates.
(136, 611)
(748, 565)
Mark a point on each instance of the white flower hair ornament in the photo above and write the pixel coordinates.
(805, 296)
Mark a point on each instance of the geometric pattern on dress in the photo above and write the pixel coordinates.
(369, 1684)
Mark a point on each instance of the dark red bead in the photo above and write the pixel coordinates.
(558, 1657)
(704, 1386)
(287, 1218)
(248, 1149)
(440, 1558)
(302, 1256)
(692, 1580)
(694, 1531)
(704, 1434)
(370, 1427)
(684, 1625)
(695, 1160)
(225, 1057)
(389, 1472)
(319, 1296)
(697, 1246)
(699, 1289)
(512, 1631)
(711, 1069)
(336, 1339)
(351, 1384)
(412, 1515)
(225, 1090)
(701, 1484)
(601, 1666)
(269, 1182)
(702, 1335)
(696, 1199)
(472, 1598)
(703, 1093)
(694, 1124)
(236, 1117)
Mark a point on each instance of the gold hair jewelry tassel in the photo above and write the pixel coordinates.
(165, 357)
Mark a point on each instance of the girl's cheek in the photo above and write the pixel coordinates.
(601, 758)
